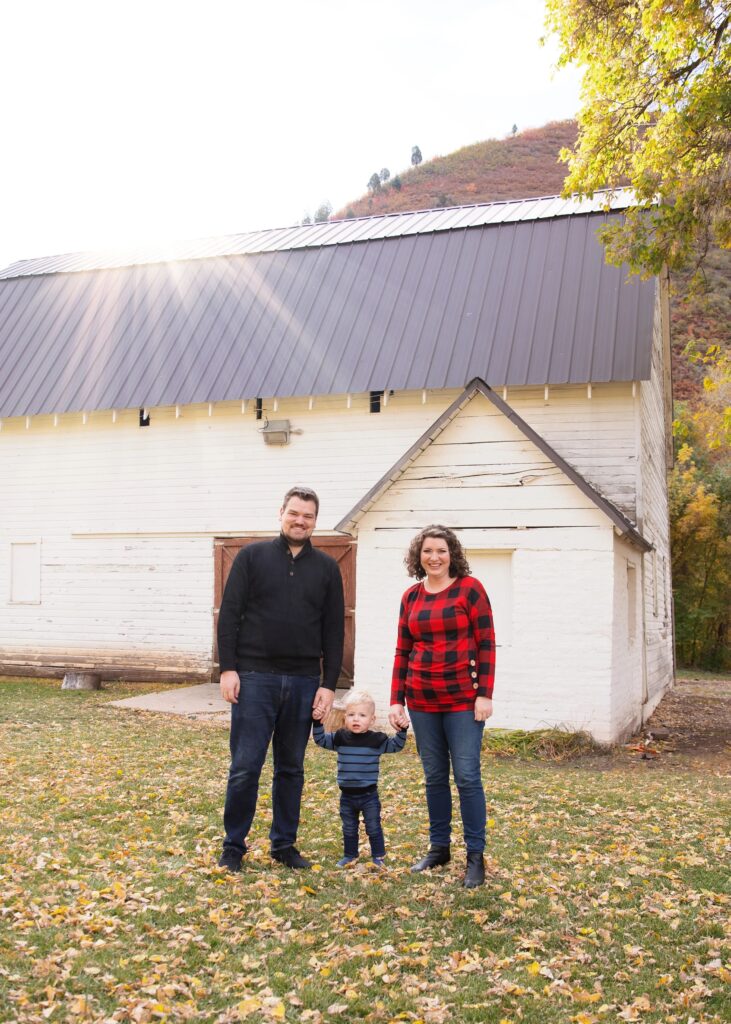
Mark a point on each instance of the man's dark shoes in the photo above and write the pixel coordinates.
(475, 873)
(230, 859)
(291, 858)
(437, 855)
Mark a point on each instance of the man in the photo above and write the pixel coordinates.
(282, 611)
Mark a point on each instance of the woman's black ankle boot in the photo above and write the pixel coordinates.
(475, 873)
(437, 855)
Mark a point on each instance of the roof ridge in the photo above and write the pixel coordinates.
(336, 232)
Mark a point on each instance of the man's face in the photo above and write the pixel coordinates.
(298, 519)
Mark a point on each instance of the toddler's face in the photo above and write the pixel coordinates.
(359, 717)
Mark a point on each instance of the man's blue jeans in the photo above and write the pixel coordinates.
(351, 807)
(441, 737)
(276, 709)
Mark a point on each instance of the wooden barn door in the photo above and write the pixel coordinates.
(342, 549)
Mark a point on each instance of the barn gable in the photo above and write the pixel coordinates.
(486, 448)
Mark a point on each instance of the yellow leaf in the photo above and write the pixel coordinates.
(491, 823)
(278, 1011)
(533, 968)
(309, 889)
(247, 1006)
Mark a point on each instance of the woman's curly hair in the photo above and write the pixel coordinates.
(458, 564)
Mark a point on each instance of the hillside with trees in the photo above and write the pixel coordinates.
(524, 164)
(527, 164)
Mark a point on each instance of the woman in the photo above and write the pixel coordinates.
(444, 670)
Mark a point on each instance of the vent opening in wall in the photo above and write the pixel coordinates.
(375, 398)
(144, 418)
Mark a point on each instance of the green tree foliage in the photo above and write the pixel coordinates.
(374, 182)
(656, 113)
(416, 156)
(322, 213)
(514, 130)
(384, 174)
(700, 520)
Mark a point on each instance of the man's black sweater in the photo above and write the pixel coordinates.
(282, 614)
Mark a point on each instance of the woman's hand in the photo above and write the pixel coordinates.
(483, 709)
(397, 717)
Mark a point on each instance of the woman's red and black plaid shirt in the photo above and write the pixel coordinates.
(445, 652)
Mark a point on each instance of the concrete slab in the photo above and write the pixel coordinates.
(201, 701)
(192, 701)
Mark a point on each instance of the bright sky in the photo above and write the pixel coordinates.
(147, 120)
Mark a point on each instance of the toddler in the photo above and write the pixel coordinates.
(359, 753)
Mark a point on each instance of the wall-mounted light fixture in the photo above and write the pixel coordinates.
(277, 431)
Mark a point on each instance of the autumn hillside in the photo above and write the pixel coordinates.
(525, 165)
(522, 165)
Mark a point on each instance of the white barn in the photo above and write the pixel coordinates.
(479, 366)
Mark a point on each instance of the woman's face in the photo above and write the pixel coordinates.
(435, 558)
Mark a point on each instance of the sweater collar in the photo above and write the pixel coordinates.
(282, 542)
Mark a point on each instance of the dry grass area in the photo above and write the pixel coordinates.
(607, 898)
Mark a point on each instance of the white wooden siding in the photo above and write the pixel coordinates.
(596, 435)
(653, 514)
(126, 515)
(628, 683)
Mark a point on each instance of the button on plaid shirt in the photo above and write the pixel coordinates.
(445, 652)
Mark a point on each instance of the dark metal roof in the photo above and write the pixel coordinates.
(336, 232)
(625, 526)
(516, 302)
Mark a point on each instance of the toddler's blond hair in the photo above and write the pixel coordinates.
(359, 697)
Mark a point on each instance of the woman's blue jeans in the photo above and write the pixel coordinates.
(452, 736)
(274, 709)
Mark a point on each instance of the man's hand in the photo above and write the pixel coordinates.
(322, 703)
(397, 716)
(230, 685)
(483, 709)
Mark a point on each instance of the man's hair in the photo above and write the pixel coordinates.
(304, 493)
(359, 697)
(458, 564)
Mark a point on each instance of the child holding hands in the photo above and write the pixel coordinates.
(359, 751)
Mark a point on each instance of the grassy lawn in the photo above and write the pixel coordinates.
(608, 898)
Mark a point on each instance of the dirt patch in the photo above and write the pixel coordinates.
(697, 716)
(690, 727)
